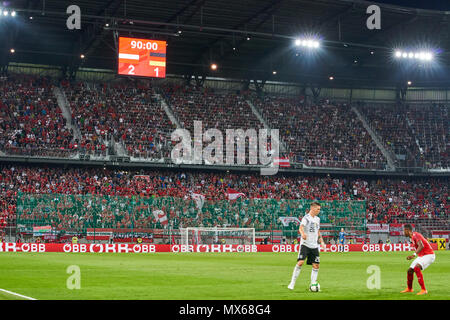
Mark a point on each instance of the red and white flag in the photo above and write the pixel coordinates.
(282, 162)
(160, 216)
(233, 194)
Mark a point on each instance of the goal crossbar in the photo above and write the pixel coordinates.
(203, 235)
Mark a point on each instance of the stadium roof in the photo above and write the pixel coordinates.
(210, 29)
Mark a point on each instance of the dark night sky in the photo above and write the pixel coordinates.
(421, 4)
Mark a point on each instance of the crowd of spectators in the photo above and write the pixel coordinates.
(31, 122)
(420, 133)
(386, 199)
(215, 110)
(324, 134)
(126, 111)
(390, 122)
(431, 127)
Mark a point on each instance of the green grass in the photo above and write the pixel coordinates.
(214, 276)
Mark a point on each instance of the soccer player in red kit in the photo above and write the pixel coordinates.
(425, 257)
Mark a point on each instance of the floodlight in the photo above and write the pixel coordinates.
(308, 43)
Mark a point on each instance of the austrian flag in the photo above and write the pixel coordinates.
(282, 162)
(160, 216)
(233, 194)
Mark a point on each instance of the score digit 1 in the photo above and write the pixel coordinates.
(157, 71)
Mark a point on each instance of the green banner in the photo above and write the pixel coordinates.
(76, 213)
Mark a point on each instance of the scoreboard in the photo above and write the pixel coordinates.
(142, 57)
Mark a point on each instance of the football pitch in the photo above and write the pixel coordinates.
(213, 276)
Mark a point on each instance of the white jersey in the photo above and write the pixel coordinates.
(311, 226)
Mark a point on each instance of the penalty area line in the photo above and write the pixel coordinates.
(16, 294)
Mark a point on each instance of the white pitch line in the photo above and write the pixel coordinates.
(16, 294)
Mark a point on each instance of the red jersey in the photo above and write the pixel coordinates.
(426, 245)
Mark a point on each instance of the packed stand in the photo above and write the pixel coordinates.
(215, 110)
(431, 127)
(126, 112)
(386, 200)
(321, 135)
(391, 123)
(31, 122)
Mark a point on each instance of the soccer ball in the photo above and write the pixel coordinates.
(314, 287)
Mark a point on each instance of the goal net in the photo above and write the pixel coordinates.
(198, 236)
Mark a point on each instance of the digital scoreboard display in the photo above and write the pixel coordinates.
(142, 57)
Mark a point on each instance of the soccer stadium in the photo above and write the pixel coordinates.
(210, 150)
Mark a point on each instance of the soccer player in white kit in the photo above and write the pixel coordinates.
(309, 249)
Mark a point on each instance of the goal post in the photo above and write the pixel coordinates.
(200, 236)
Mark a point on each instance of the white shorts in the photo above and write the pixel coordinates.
(424, 261)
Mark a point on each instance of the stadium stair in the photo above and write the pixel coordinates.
(167, 109)
(66, 111)
(283, 147)
(388, 155)
(408, 121)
